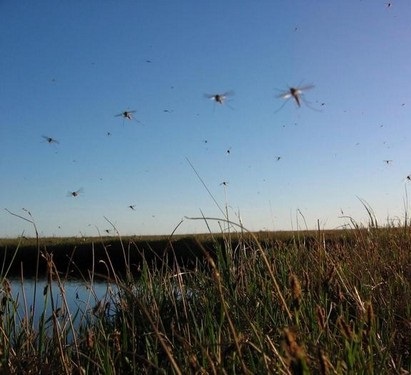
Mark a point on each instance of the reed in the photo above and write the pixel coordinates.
(254, 303)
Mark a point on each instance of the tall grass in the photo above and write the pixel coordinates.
(313, 303)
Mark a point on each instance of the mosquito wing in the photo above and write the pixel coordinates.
(228, 93)
(285, 95)
(222, 96)
(210, 96)
(304, 88)
(292, 91)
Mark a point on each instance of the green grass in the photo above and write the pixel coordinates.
(287, 303)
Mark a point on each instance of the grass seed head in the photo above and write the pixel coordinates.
(295, 354)
(90, 339)
(345, 328)
(6, 287)
(370, 314)
(321, 317)
(295, 291)
(369, 321)
(324, 362)
(116, 340)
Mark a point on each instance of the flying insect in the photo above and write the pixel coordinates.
(219, 98)
(128, 115)
(75, 193)
(295, 93)
(50, 140)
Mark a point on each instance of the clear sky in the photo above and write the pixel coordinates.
(68, 67)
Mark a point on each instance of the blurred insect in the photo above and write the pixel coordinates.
(278, 158)
(50, 140)
(127, 115)
(387, 161)
(75, 193)
(388, 5)
(407, 179)
(220, 98)
(295, 93)
(132, 207)
(225, 183)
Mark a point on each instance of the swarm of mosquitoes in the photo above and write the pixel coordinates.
(294, 93)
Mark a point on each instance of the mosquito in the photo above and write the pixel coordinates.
(219, 98)
(127, 115)
(387, 161)
(132, 207)
(295, 93)
(75, 193)
(50, 140)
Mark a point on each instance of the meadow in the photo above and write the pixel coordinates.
(305, 302)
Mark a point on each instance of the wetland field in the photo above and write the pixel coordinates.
(304, 302)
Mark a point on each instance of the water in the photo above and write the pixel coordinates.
(73, 300)
(69, 304)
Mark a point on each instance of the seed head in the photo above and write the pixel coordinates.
(345, 328)
(321, 317)
(295, 291)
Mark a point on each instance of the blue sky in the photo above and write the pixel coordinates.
(67, 68)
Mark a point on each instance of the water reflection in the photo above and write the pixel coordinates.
(73, 301)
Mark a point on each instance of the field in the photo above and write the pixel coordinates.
(320, 302)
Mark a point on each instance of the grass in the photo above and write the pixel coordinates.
(288, 303)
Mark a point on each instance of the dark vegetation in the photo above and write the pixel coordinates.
(76, 256)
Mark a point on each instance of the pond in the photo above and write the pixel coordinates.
(70, 303)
